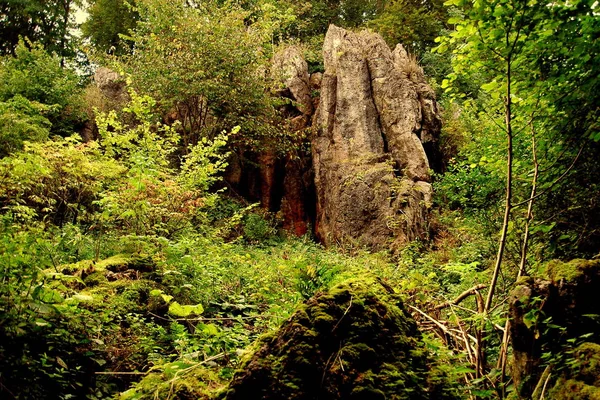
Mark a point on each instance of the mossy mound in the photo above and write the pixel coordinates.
(179, 380)
(354, 342)
(582, 381)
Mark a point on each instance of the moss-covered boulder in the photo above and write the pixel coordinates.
(355, 341)
(548, 314)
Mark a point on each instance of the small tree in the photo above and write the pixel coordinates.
(534, 61)
(106, 22)
(205, 66)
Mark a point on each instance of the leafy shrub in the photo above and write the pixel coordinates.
(153, 199)
(257, 228)
(38, 77)
(57, 180)
(22, 120)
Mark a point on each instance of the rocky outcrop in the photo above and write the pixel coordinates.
(355, 341)
(290, 68)
(371, 170)
(111, 84)
(108, 92)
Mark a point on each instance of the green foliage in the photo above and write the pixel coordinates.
(117, 255)
(572, 270)
(152, 199)
(414, 24)
(541, 55)
(356, 337)
(39, 94)
(58, 181)
(205, 65)
(45, 22)
(106, 22)
(257, 228)
(582, 379)
(313, 17)
(43, 339)
(22, 120)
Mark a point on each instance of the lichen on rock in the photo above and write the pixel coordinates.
(571, 270)
(355, 341)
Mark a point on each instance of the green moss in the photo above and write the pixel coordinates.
(95, 279)
(123, 296)
(354, 342)
(177, 380)
(571, 389)
(569, 271)
(582, 380)
(524, 281)
(116, 260)
(77, 268)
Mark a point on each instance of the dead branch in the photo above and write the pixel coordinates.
(443, 327)
(470, 292)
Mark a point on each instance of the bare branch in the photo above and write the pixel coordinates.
(469, 292)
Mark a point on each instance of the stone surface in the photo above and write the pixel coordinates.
(111, 84)
(290, 68)
(371, 169)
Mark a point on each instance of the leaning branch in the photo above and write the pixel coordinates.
(470, 292)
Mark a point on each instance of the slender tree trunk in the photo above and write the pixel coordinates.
(65, 30)
(502, 359)
(481, 361)
(508, 199)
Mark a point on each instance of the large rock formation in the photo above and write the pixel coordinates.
(111, 84)
(108, 92)
(371, 169)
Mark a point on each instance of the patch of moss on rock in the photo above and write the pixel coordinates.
(354, 342)
(571, 270)
(582, 381)
(95, 279)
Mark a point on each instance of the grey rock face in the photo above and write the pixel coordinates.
(371, 169)
(111, 84)
(290, 68)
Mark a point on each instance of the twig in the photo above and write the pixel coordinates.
(539, 387)
(553, 183)
(464, 335)
(437, 323)
(545, 385)
(8, 391)
(345, 312)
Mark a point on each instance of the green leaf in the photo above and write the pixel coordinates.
(184, 311)
(60, 362)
